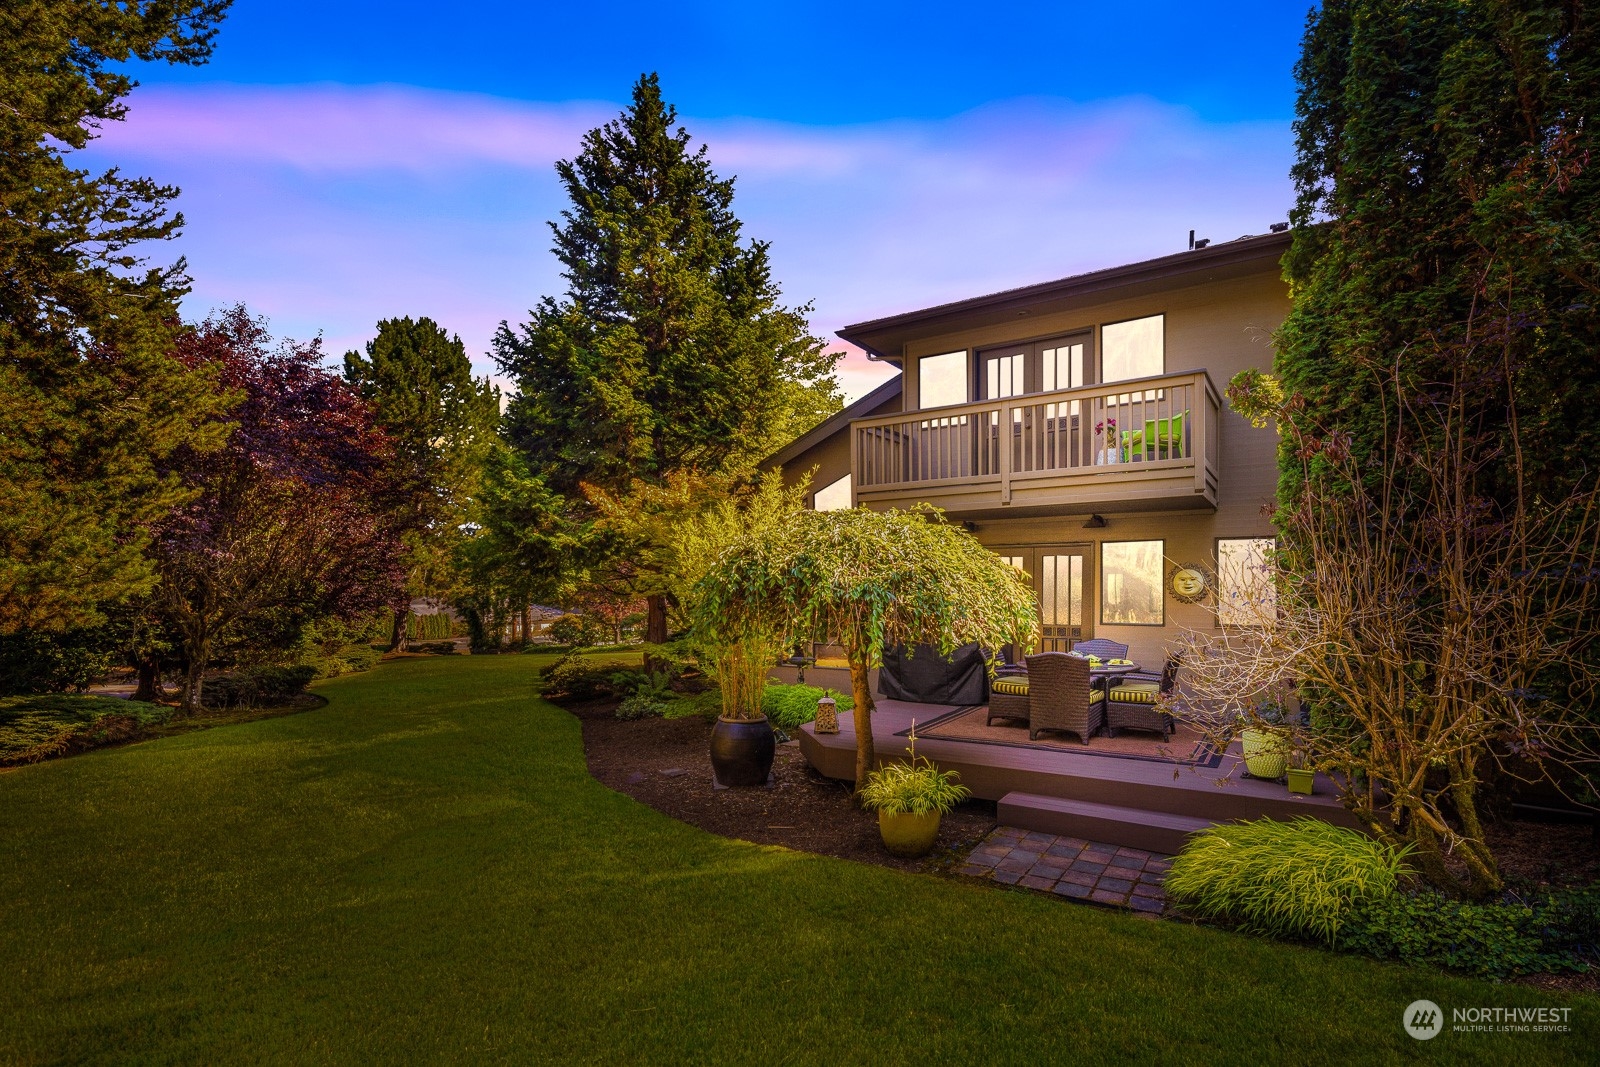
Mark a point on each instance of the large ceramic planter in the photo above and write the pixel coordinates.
(1266, 755)
(742, 751)
(908, 835)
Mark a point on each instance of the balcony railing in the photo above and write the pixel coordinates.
(1154, 438)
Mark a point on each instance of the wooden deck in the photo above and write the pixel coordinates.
(1139, 803)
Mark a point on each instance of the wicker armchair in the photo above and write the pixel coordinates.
(1059, 696)
(1008, 697)
(1101, 648)
(1134, 702)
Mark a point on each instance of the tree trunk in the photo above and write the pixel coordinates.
(397, 641)
(193, 684)
(655, 629)
(861, 693)
(527, 624)
(149, 689)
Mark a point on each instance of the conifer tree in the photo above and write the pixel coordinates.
(670, 351)
(418, 381)
(91, 398)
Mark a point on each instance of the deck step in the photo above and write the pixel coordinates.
(1153, 831)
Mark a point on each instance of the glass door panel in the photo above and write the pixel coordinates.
(1060, 581)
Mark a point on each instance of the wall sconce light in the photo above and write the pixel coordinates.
(970, 526)
(1096, 522)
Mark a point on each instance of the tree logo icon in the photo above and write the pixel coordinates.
(1423, 1019)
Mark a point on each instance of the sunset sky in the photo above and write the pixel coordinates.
(343, 162)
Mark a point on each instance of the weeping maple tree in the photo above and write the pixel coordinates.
(290, 520)
(868, 580)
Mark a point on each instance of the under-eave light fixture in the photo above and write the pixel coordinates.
(1096, 522)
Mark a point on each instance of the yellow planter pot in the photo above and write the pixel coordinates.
(1266, 755)
(908, 835)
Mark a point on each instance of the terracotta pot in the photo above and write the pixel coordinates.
(1266, 755)
(742, 751)
(908, 835)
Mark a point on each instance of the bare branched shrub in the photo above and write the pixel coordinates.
(1437, 619)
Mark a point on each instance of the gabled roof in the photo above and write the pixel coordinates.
(885, 339)
(835, 422)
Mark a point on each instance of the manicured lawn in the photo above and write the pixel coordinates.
(423, 871)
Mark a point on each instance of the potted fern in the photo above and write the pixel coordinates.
(909, 799)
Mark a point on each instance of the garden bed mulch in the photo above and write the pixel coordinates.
(666, 764)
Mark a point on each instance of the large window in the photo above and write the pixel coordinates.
(835, 496)
(1131, 575)
(1245, 594)
(1133, 349)
(942, 380)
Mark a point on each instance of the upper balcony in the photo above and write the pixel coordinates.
(1143, 445)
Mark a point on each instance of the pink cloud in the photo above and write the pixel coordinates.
(328, 207)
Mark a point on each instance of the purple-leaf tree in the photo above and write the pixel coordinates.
(289, 521)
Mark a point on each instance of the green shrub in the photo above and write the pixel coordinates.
(915, 787)
(1289, 879)
(636, 681)
(1498, 939)
(257, 685)
(358, 658)
(438, 627)
(577, 678)
(788, 707)
(707, 704)
(437, 648)
(641, 706)
(37, 727)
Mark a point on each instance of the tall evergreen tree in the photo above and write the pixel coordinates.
(1445, 271)
(418, 381)
(91, 398)
(1448, 185)
(670, 351)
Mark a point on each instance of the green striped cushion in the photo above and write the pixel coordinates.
(1017, 687)
(1136, 693)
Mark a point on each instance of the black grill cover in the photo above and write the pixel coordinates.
(928, 678)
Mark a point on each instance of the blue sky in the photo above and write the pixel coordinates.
(342, 162)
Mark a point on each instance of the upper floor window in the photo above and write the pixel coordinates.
(1133, 349)
(835, 496)
(942, 380)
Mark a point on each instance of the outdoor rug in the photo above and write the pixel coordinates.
(1187, 746)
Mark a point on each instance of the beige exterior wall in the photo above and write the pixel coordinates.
(1220, 327)
(829, 460)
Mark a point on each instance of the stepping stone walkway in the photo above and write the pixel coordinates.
(1072, 867)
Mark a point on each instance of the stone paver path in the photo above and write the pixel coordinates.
(1072, 867)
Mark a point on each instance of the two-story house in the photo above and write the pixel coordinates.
(1077, 427)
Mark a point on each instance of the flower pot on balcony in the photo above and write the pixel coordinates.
(1301, 779)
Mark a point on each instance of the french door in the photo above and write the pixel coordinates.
(1060, 576)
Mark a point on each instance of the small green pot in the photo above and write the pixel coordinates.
(1266, 755)
(908, 835)
(1300, 779)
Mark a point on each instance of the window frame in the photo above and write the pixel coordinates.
(850, 493)
(1160, 580)
(1101, 347)
(966, 377)
(1216, 553)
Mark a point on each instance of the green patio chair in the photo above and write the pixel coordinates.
(1158, 436)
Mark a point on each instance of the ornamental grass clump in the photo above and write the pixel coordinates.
(915, 787)
(1284, 879)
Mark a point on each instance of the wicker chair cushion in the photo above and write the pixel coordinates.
(1011, 686)
(1136, 693)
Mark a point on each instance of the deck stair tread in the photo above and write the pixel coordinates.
(1157, 831)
